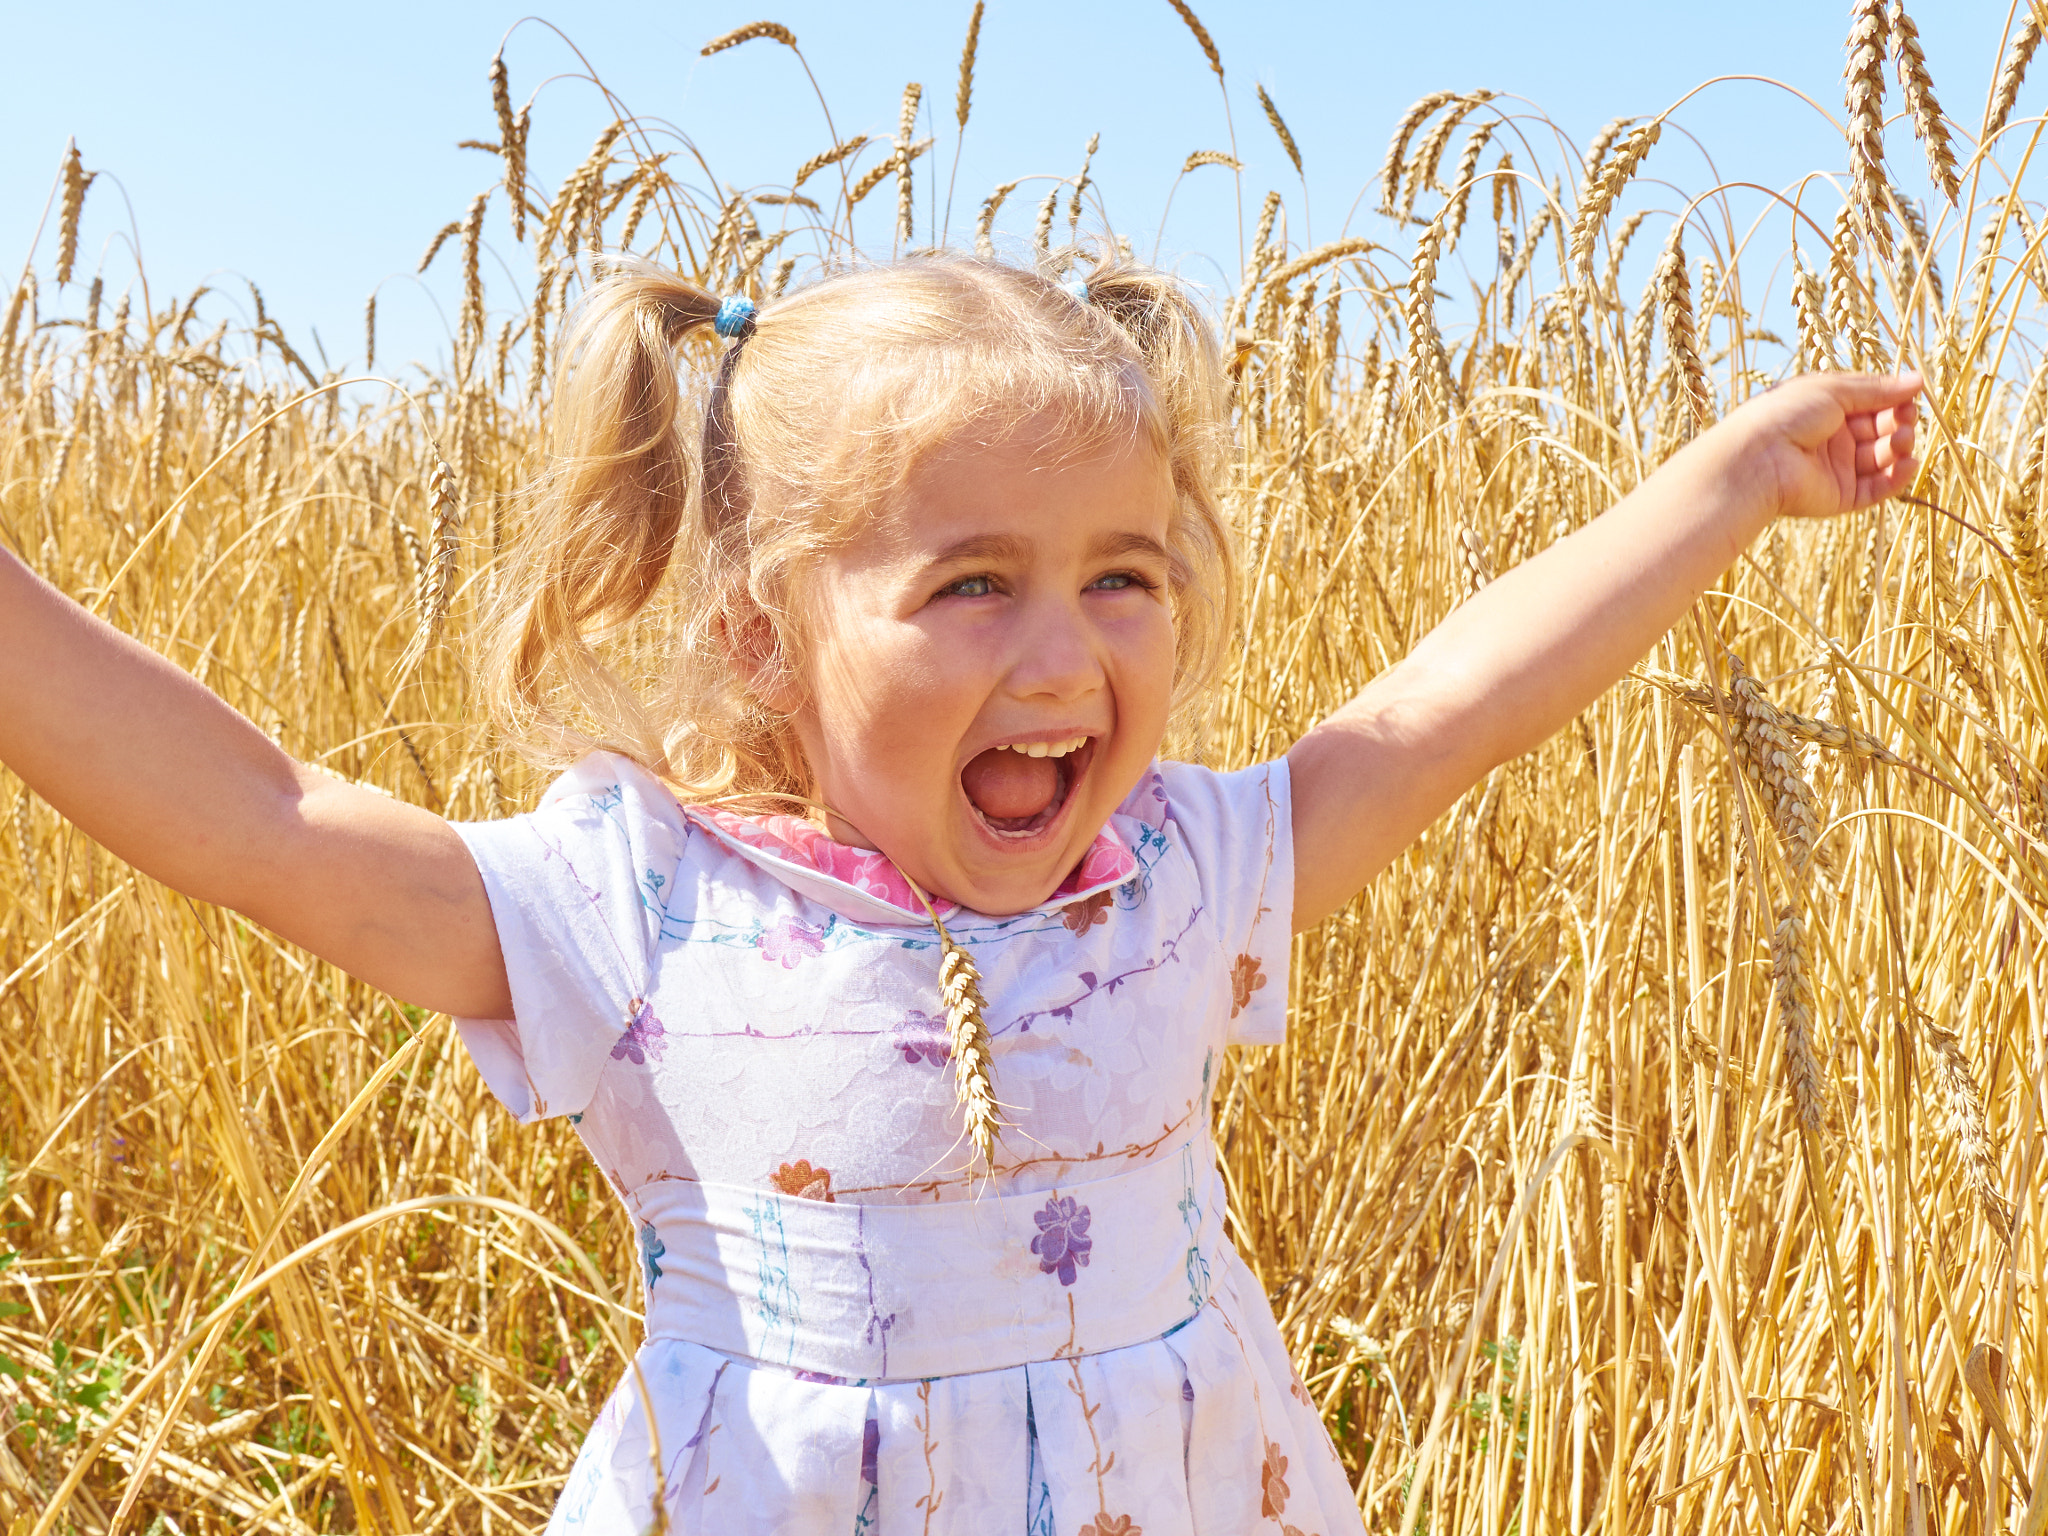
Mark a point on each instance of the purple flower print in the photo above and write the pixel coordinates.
(1063, 1239)
(645, 1038)
(922, 1037)
(790, 942)
(870, 1451)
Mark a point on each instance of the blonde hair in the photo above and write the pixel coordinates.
(713, 482)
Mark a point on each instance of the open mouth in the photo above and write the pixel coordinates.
(1018, 791)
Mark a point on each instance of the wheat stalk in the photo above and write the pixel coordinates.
(1602, 187)
(1868, 33)
(824, 158)
(2012, 71)
(1397, 148)
(511, 142)
(1202, 38)
(985, 226)
(1810, 310)
(1818, 732)
(76, 181)
(471, 331)
(1427, 360)
(1041, 234)
(967, 1037)
(1967, 1123)
(906, 226)
(1792, 992)
(963, 98)
(1674, 291)
(441, 237)
(747, 34)
(1525, 257)
(1280, 127)
(1422, 170)
(1202, 157)
(1918, 86)
(1462, 181)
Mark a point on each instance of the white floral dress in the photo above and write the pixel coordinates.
(846, 1330)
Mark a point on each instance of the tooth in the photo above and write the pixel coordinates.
(1036, 749)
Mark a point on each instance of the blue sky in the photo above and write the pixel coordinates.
(313, 148)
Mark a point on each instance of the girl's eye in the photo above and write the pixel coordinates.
(1118, 581)
(970, 586)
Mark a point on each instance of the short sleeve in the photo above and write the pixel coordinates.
(577, 889)
(1238, 829)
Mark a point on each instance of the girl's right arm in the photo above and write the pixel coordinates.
(166, 776)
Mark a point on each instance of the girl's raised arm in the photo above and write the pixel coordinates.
(165, 775)
(1514, 664)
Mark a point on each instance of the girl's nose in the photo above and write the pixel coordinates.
(1055, 658)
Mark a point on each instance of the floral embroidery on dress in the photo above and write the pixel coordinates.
(1084, 914)
(802, 1180)
(1107, 1524)
(1273, 1482)
(870, 1451)
(1246, 977)
(922, 1038)
(645, 1039)
(1063, 1239)
(790, 943)
(651, 1250)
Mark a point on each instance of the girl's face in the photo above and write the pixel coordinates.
(992, 664)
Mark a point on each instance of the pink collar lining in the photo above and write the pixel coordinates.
(1108, 861)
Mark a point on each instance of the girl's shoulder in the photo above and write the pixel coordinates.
(1201, 807)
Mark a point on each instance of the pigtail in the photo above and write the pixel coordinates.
(606, 517)
(1184, 368)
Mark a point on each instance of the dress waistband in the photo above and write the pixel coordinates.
(897, 1292)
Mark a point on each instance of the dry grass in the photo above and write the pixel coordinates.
(1570, 1227)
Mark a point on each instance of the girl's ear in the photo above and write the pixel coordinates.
(757, 655)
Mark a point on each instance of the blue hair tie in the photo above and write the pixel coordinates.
(1078, 287)
(735, 317)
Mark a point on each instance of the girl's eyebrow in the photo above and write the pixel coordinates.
(1111, 545)
(983, 546)
(1007, 547)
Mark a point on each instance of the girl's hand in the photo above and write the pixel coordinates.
(1516, 662)
(1827, 443)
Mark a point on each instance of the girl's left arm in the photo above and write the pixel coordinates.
(1519, 660)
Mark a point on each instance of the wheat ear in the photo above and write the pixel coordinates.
(1397, 148)
(1202, 37)
(747, 34)
(1674, 285)
(963, 99)
(1918, 87)
(75, 183)
(1869, 31)
(825, 157)
(1279, 127)
(966, 1036)
(1427, 361)
(2012, 71)
(1603, 186)
(1968, 1125)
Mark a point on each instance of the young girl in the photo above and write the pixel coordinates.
(945, 548)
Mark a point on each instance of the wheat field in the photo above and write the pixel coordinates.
(1659, 1144)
